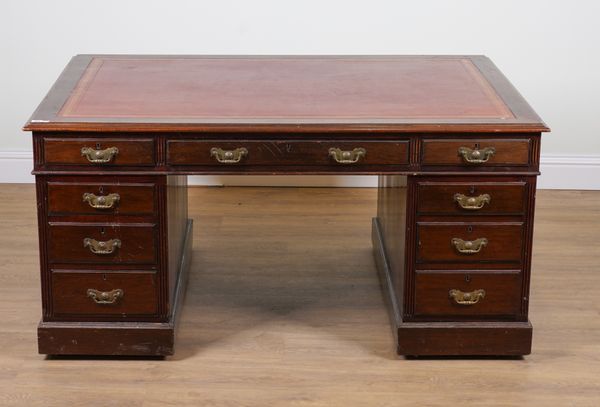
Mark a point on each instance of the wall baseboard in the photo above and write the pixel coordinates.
(558, 172)
(16, 166)
(569, 172)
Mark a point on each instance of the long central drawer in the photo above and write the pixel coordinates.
(277, 152)
(471, 198)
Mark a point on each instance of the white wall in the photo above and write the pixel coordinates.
(549, 50)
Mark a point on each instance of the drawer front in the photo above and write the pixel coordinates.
(473, 293)
(66, 198)
(99, 152)
(119, 294)
(270, 152)
(471, 198)
(476, 152)
(102, 243)
(489, 242)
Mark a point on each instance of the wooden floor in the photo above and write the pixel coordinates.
(284, 309)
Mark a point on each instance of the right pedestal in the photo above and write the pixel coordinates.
(454, 256)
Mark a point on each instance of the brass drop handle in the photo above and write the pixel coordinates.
(99, 156)
(229, 156)
(467, 298)
(105, 297)
(99, 247)
(472, 203)
(469, 246)
(102, 201)
(347, 156)
(475, 155)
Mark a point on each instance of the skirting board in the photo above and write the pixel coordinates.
(558, 172)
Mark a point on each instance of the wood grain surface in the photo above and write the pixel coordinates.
(138, 243)
(502, 293)
(439, 197)
(284, 308)
(68, 151)
(70, 294)
(504, 241)
(444, 152)
(135, 197)
(287, 152)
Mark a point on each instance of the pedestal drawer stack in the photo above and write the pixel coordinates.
(110, 255)
(469, 254)
(103, 248)
(453, 242)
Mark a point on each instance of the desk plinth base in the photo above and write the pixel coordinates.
(119, 338)
(447, 338)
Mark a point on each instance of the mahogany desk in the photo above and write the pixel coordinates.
(455, 146)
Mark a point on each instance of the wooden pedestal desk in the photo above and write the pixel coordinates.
(455, 146)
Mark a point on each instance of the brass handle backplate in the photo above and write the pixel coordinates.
(466, 298)
(105, 297)
(472, 202)
(475, 155)
(102, 201)
(229, 156)
(347, 156)
(469, 246)
(99, 247)
(99, 156)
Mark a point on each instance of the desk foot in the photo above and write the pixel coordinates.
(472, 338)
(119, 338)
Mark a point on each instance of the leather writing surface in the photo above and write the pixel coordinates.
(294, 87)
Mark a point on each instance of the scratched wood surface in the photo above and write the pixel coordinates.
(284, 309)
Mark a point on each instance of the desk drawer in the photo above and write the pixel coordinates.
(298, 153)
(65, 198)
(473, 242)
(471, 198)
(99, 152)
(476, 152)
(121, 295)
(476, 293)
(102, 243)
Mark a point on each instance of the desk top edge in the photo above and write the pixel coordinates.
(47, 116)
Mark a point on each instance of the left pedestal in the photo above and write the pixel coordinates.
(114, 254)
